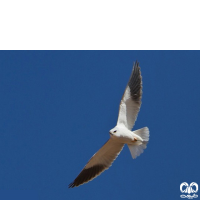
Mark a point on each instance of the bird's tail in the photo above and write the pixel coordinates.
(138, 147)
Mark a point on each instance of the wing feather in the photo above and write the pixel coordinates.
(99, 162)
(131, 99)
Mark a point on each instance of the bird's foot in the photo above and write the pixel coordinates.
(135, 139)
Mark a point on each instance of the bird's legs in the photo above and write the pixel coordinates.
(135, 139)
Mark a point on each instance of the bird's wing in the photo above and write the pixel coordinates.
(99, 162)
(131, 99)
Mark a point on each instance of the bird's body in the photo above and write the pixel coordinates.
(121, 134)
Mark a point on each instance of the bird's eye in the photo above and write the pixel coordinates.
(114, 131)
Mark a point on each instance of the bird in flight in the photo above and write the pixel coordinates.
(121, 134)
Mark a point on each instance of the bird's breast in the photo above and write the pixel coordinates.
(122, 138)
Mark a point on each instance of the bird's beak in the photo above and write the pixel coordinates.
(110, 133)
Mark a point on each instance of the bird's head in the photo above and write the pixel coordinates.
(115, 131)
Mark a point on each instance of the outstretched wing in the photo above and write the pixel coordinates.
(131, 99)
(99, 162)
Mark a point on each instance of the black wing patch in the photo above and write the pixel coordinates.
(135, 83)
(87, 175)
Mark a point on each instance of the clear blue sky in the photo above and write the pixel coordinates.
(56, 109)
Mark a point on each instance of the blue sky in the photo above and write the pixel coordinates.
(58, 106)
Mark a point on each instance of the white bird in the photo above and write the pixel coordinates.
(121, 134)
